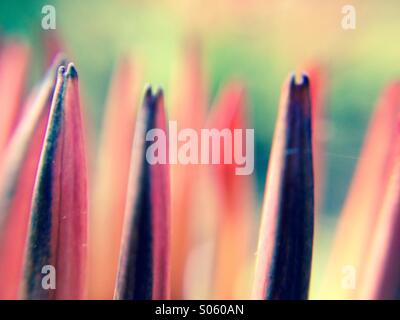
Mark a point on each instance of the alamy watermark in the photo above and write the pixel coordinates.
(49, 279)
(206, 146)
(349, 278)
(49, 17)
(349, 18)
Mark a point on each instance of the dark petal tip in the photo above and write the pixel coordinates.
(160, 92)
(301, 82)
(148, 92)
(61, 70)
(71, 71)
(299, 91)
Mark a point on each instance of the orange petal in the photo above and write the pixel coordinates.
(111, 181)
(189, 113)
(381, 278)
(234, 192)
(364, 200)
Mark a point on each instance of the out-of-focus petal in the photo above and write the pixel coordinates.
(14, 58)
(234, 193)
(18, 172)
(189, 112)
(359, 215)
(111, 181)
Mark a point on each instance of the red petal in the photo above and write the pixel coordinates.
(18, 174)
(234, 194)
(14, 58)
(144, 261)
(58, 227)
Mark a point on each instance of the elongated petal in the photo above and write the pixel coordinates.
(318, 78)
(191, 102)
(286, 234)
(58, 226)
(14, 58)
(317, 92)
(111, 181)
(234, 194)
(18, 172)
(380, 278)
(364, 200)
(144, 263)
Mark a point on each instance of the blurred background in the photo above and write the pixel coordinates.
(259, 42)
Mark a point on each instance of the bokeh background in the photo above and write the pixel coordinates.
(260, 42)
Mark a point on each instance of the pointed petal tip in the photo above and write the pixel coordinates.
(61, 70)
(299, 80)
(299, 91)
(148, 91)
(54, 69)
(55, 231)
(159, 93)
(71, 71)
(151, 99)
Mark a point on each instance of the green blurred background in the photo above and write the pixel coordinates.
(259, 41)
